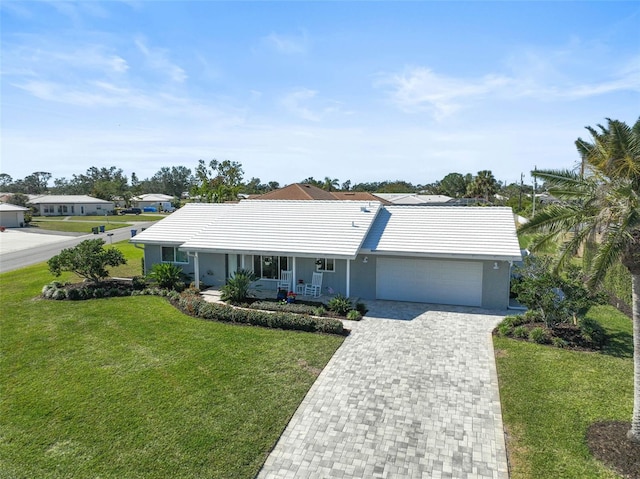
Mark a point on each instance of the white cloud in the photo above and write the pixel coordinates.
(295, 102)
(158, 59)
(420, 89)
(287, 44)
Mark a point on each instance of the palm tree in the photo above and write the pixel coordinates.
(600, 214)
(484, 184)
(330, 184)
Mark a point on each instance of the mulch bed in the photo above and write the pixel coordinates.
(608, 443)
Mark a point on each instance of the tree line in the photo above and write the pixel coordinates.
(218, 181)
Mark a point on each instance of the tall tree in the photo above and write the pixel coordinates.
(484, 185)
(330, 184)
(170, 181)
(5, 181)
(600, 212)
(219, 182)
(312, 181)
(454, 185)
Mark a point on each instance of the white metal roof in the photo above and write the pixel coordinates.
(10, 207)
(446, 232)
(183, 224)
(412, 198)
(61, 199)
(152, 197)
(302, 228)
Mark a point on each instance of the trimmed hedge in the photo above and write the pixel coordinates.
(284, 307)
(192, 303)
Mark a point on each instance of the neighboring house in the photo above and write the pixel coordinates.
(445, 255)
(155, 200)
(71, 205)
(414, 199)
(12, 216)
(304, 191)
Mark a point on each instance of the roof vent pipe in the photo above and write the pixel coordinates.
(353, 223)
(364, 209)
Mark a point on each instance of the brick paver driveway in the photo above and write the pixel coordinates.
(411, 393)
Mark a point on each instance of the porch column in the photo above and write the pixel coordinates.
(348, 277)
(196, 269)
(294, 281)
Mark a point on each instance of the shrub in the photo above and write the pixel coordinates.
(138, 283)
(539, 335)
(74, 294)
(193, 304)
(190, 304)
(559, 342)
(59, 294)
(286, 307)
(592, 332)
(167, 276)
(319, 311)
(532, 316)
(361, 308)
(520, 332)
(236, 290)
(340, 305)
(505, 328)
(88, 259)
(99, 293)
(354, 315)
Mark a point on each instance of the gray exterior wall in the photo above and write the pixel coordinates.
(363, 277)
(214, 270)
(495, 283)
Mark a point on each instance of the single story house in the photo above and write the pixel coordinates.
(71, 205)
(305, 191)
(12, 216)
(413, 199)
(447, 255)
(151, 199)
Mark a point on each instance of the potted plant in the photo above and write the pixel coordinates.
(291, 297)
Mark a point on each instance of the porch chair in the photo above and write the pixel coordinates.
(315, 287)
(285, 281)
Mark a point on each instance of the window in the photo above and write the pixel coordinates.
(174, 255)
(269, 267)
(326, 264)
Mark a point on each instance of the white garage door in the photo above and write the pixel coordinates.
(429, 281)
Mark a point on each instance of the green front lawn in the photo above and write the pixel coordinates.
(551, 396)
(74, 226)
(132, 388)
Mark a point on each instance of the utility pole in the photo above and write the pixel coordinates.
(535, 184)
(520, 197)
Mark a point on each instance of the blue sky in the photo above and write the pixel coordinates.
(366, 91)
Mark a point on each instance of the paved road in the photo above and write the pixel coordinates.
(411, 393)
(22, 247)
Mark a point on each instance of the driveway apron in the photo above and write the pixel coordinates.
(411, 393)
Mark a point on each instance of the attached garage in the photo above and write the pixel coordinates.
(429, 281)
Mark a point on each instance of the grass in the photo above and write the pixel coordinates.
(132, 388)
(74, 226)
(101, 219)
(551, 396)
